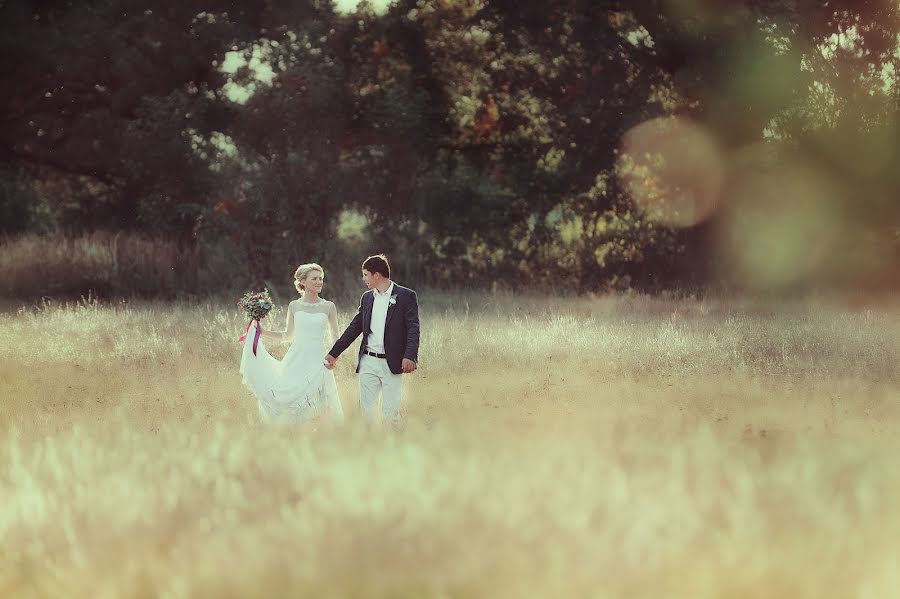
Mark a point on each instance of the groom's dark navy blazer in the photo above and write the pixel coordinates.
(401, 328)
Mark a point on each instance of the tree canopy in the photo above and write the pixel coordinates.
(601, 144)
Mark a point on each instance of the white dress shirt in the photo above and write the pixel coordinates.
(379, 318)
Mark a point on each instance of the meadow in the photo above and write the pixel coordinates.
(611, 446)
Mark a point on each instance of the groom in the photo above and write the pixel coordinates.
(388, 319)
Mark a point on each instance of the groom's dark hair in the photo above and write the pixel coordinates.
(378, 263)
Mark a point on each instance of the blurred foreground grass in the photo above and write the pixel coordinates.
(583, 447)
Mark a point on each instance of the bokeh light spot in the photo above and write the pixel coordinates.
(673, 170)
(784, 227)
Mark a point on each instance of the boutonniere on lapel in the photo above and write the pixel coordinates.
(392, 300)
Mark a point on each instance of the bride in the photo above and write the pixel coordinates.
(298, 388)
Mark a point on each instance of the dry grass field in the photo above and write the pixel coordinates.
(607, 447)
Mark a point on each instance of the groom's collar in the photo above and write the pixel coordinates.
(387, 291)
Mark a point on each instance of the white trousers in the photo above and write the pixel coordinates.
(375, 377)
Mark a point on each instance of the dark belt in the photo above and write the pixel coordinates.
(374, 355)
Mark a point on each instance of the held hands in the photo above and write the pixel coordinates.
(408, 365)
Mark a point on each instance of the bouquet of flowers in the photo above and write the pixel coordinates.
(256, 305)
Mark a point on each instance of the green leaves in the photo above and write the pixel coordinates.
(478, 129)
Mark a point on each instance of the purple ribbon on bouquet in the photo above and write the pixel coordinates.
(255, 337)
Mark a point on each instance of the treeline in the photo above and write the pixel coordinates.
(587, 145)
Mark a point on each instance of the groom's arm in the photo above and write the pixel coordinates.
(353, 330)
(412, 329)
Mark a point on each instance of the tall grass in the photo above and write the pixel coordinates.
(129, 265)
(99, 263)
(605, 447)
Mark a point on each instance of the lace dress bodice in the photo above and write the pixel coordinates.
(310, 323)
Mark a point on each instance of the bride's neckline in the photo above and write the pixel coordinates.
(305, 303)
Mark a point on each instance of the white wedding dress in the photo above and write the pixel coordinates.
(298, 388)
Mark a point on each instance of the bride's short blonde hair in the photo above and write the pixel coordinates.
(302, 272)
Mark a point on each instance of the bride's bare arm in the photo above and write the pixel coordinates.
(333, 321)
(287, 334)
